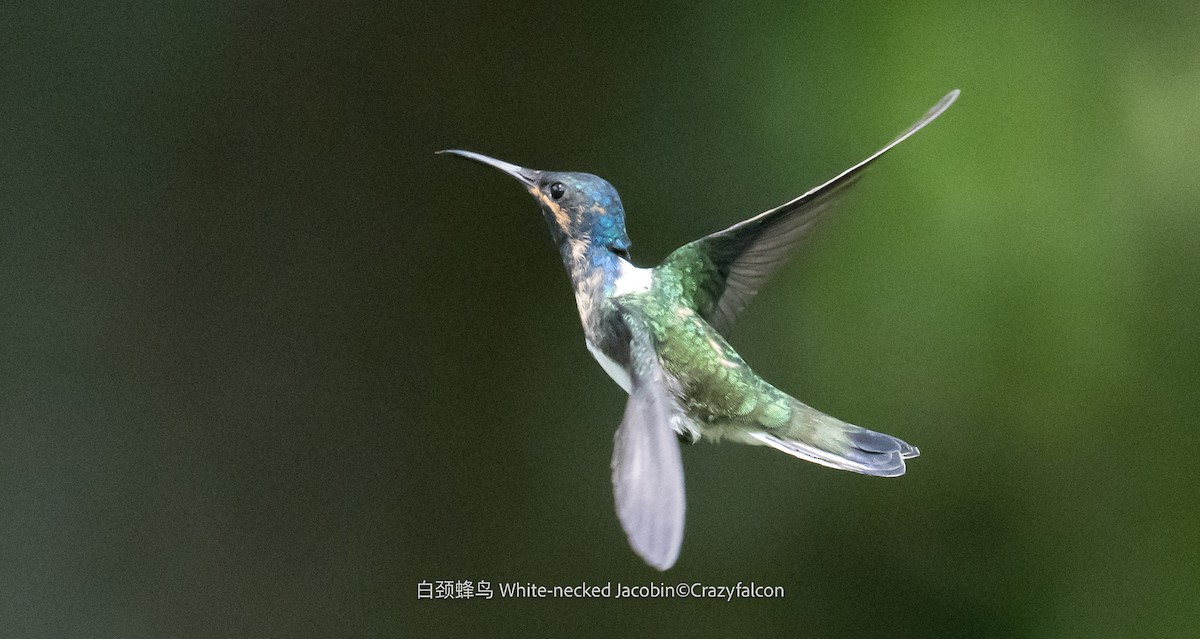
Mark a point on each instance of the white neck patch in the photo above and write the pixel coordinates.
(631, 279)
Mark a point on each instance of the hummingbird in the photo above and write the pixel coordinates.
(661, 333)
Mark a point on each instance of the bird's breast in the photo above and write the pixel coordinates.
(618, 372)
(607, 337)
(604, 328)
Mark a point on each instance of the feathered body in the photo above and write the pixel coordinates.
(718, 393)
(661, 335)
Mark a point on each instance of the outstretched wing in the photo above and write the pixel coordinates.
(722, 272)
(646, 466)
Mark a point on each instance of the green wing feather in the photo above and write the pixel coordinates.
(722, 272)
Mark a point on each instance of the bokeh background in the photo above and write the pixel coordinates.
(266, 362)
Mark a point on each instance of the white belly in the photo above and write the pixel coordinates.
(630, 279)
(619, 374)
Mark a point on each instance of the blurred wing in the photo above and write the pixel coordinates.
(724, 271)
(646, 466)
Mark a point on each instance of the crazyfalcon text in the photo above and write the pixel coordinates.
(609, 590)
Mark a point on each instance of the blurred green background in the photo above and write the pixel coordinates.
(266, 362)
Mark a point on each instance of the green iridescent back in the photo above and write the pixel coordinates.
(717, 387)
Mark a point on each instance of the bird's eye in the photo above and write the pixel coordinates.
(557, 190)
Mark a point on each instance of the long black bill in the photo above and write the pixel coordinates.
(526, 176)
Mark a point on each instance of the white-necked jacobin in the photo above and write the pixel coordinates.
(660, 333)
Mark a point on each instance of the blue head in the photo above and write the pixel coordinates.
(582, 210)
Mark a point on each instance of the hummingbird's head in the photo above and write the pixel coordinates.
(579, 207)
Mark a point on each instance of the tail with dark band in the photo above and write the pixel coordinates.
(816, 437)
